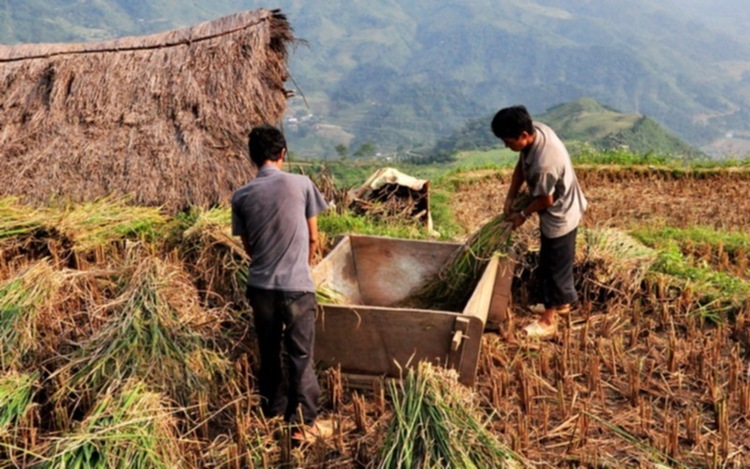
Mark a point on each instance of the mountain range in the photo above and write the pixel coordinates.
(398, 75)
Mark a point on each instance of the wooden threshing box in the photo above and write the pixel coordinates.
(370, 336)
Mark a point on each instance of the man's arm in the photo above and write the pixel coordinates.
(312, 229)
(515, 186)
(538, 204)
(246, 245)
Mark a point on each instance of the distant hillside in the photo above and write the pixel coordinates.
(581, 121)
(586, 120)
(400, 75)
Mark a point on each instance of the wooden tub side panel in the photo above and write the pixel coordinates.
(388, 269)
(338, 272)
(378, 341)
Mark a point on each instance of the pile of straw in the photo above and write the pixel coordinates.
(163, 118)
(21, 301)
(611, 264)
(156, 331)
(16, 393)
(212, 255)
(437, 423)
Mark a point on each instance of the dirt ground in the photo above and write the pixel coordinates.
(636, 381)
(622, 198)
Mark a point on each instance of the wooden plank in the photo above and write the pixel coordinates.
(338, 272)
(479, 303)
(381, 341)
(388, 269)
(499, 315)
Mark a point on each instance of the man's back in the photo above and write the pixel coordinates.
(272, 212)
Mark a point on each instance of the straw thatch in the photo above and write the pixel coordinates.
(163, 118)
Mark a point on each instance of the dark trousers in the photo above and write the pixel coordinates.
(288, 317)
(556, 259)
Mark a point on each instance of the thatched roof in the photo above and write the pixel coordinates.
(163, 117)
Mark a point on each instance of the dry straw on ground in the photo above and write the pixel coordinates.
(162, 117)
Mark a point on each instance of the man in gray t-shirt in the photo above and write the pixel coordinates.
(276, 217)
(545, 167)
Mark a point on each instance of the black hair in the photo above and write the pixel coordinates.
(264, 143)
(511, 122)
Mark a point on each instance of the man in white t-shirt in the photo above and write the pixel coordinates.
(544, 165)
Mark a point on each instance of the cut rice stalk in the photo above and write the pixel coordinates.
(326, 294)
(99, 223)
(217, 257)
(18, 221)
(16, 394)
(615, 260)
(21, 299)
(129, 427)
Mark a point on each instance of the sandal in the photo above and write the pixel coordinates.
(537, 330)
(310, 433)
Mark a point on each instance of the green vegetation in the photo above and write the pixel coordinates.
(155, 332)
(710, 264)
(729, 241)
(21, 301)
(334, 224)
(585, 120)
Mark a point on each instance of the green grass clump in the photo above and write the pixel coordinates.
(129, 427)
(333, 224)
(729, 241)
(437, 423)
(719, 292)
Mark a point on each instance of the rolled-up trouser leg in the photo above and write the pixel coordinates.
(556, 260)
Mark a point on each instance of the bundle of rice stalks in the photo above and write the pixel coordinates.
(216, 257)
(454, 284)
(612, 264)
(17, 418)
(129, 427)
(156, 331)
(328, 295)
(94, 225)
(436, 423)
(21, 301)
(16, 394)
(17, 221)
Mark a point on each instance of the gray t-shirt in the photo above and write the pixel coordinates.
(272, 211)
(548, 170)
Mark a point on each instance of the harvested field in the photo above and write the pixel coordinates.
(141, 346)
(644, 378)
(625, 198)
